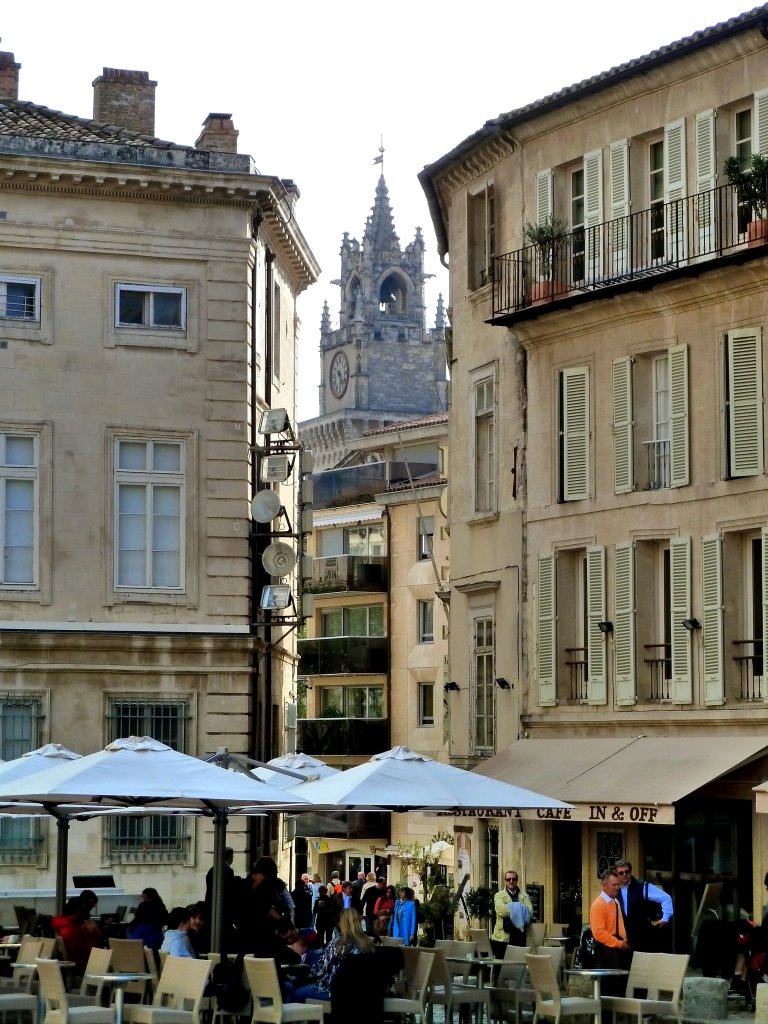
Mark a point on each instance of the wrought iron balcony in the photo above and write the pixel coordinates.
(343, 655)
(666, 237)
(349, 736)
(343, 573)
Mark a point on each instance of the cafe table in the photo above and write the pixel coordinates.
(119, 979)
(478, 962)
(597, 974)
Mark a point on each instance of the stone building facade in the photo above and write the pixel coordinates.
(147, 318)
(608, 508)
(381, 364)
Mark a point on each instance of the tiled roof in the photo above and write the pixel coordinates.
(424, 421)
(30, 120)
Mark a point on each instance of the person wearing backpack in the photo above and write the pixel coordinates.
(514, 912)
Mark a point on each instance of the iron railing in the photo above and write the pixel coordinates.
(663, 238)
(659, 471)
(659, 662)
(751, 668)
(576, 662)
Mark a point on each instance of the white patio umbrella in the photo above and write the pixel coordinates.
(142, 772)
(404, 780)
(34, 761)
(296, 768)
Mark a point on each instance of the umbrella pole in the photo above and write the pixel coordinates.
(62, 824)
(217, 889)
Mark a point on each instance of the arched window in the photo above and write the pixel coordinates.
(354, 291)
(392, 295)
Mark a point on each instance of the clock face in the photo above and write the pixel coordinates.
(339, 374)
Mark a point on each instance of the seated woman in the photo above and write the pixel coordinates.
(181, 921)
(352, 941)
(147, 925)
(77, 931)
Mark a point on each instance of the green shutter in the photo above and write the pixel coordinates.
(624, 625)
(745, 402)
(712, 624)
(675, 219)
(575, 447)
(593, 213)
(680, 571)
(706, 180)
(623, 433)
(547, 632)
(678, 388)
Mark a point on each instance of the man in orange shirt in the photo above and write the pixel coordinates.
(610, 931)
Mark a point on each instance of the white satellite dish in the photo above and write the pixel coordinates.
(265, 506)
(279, 559)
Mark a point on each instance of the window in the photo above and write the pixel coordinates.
(393, 295)
(734, 631)
(156, 838)
(364, 540)
(351, 701)
(20, 718)
(19, 499)
(743, 371)
(483, 697)
(426, 703)
(277, 333)
(20, 298)
(574, 434)
(577, 224)
(481, 241)
(656, 197)
(743, 150)
(484, 399)
(149, 520)
(357, 620)
(426, 611)
(426, 537)
(156, 307)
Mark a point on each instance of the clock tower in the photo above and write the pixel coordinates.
(381, 365)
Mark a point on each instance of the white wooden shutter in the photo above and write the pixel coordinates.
(760, 122)
(547, 632)
(624, 625)
(545, 200)
(764, 538)
(675, 227)
(712, 625)
(597, 690)
(680, 572)
(618, 178)
(575, 433)
(706, 180)
(745, 402)
(593, 214)
(679, 446)
(623, 432)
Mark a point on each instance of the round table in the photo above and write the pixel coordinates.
(119, 979)
(597, 974)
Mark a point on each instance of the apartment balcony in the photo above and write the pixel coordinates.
(749, 659)
(353, 484)
(668, 239)
(321, 737)
(344, 655)
(363, 574)
(353, 825)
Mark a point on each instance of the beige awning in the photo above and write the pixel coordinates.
(348, 517)
(633, 779)
(761, 798)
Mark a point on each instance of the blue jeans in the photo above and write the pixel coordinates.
(304, 992)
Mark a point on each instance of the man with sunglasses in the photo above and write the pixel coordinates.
(514, 911)
(646, 930)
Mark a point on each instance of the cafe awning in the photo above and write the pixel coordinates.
(629, 779)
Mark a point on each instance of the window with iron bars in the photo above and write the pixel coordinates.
(20, 718)
(157, 837)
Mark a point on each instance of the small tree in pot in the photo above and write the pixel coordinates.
(749, 178)
(548, 237)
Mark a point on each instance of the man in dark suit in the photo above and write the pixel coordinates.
(643, 934)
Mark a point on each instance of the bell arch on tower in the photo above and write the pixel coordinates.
(354, 288)
(394, 291)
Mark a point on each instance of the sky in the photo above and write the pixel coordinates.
(314, 88)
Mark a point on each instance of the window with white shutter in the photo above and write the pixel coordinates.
(618, 242)
(481, 234)
(593, 214)
(574, 434)
(681, 638)
(760, 123)
(624, 625)
(623, 432)
(675, 217)
(744, 402)
(547, 632)
(545, 196)
(678, 408)
(706, 180)
(712, 624)
(596, 640)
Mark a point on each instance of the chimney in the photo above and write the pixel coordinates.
(125, 99)
(9, 77)
(218, 134)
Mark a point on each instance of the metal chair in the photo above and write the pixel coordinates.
(654, 987)
(58, 1008)
(178, 997)
(268, 1005)
(550, 1004)
(416, 1002)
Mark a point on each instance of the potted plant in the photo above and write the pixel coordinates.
(479, 903)
(750, 180)
(549, 238)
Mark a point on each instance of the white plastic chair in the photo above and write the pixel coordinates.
(58, 1009)
(178, 997)
(416, 1003)
(268, 1005)
(550, 1004)
(659, 977)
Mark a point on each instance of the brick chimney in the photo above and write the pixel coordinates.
(126, 99)
(218, 134)
(9, 76)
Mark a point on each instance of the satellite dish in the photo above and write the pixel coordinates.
(279, 559)
(265, 506)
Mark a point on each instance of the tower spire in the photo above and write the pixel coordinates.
(380, 228)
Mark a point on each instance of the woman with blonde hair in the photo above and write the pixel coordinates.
(351, 941)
